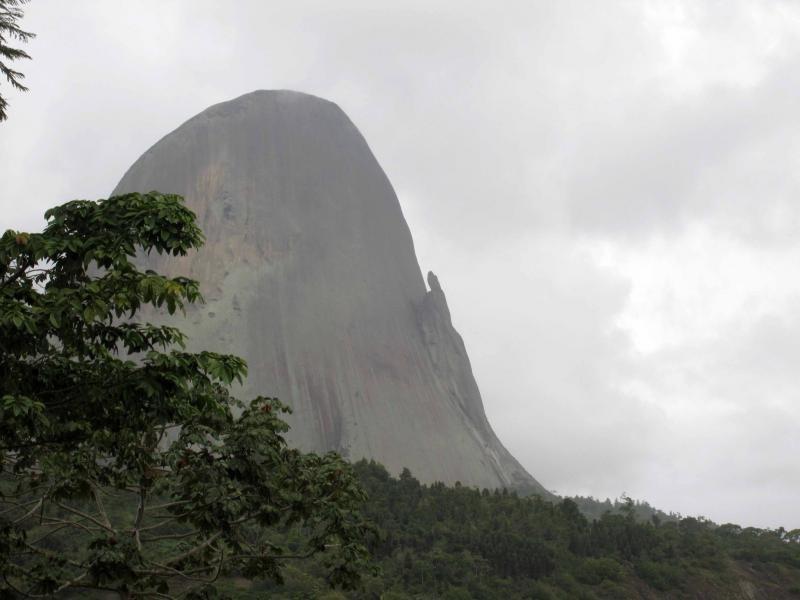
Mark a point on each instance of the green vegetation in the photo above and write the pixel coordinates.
(124, 465)
(460, 543)
(10, 14)
(594, 509)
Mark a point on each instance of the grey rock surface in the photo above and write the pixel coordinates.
(309, 273)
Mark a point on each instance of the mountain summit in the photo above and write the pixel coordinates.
(309, 273)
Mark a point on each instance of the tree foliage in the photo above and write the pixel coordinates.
(456, 542)
(124, 465)
(10, 14)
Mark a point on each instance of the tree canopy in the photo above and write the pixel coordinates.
(10, 14)
(127, 464)
(459, 543)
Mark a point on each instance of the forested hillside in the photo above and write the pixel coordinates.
(455, 542)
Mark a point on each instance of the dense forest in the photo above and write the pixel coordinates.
(435, 541)
(455, 542)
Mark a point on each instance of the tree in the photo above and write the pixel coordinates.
(124, 467)
(10, 13)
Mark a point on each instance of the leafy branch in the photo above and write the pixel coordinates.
(126, 463)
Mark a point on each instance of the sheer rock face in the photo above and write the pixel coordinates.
(309, 273)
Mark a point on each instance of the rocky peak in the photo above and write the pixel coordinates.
(310, 274)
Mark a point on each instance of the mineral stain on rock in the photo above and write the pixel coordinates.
(310, 274)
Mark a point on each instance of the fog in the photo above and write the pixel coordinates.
(608, 193)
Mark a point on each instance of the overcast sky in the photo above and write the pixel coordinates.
(609, 193)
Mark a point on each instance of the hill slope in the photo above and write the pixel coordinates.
(458, 543)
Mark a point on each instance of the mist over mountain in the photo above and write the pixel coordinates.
(309, 273)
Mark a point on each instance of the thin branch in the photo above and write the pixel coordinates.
(308, 554)
(170, 536)
(16, 275)
(244, 519)
(152, 595)
(49, 533)
(16, 505)
(53, 555)
(101, 507)
(30, 512)
(194, 550)
(139, 516)
(186, 574)
(164, 571)
(75, 511)
(52, 521)
(167, 505)
(72, 582)
(161, 524)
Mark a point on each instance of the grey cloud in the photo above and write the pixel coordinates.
(665, 163)
(734, 411)
(538, 322)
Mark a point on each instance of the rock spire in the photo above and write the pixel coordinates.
(309, 273)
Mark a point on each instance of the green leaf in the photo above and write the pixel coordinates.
(94, 409)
